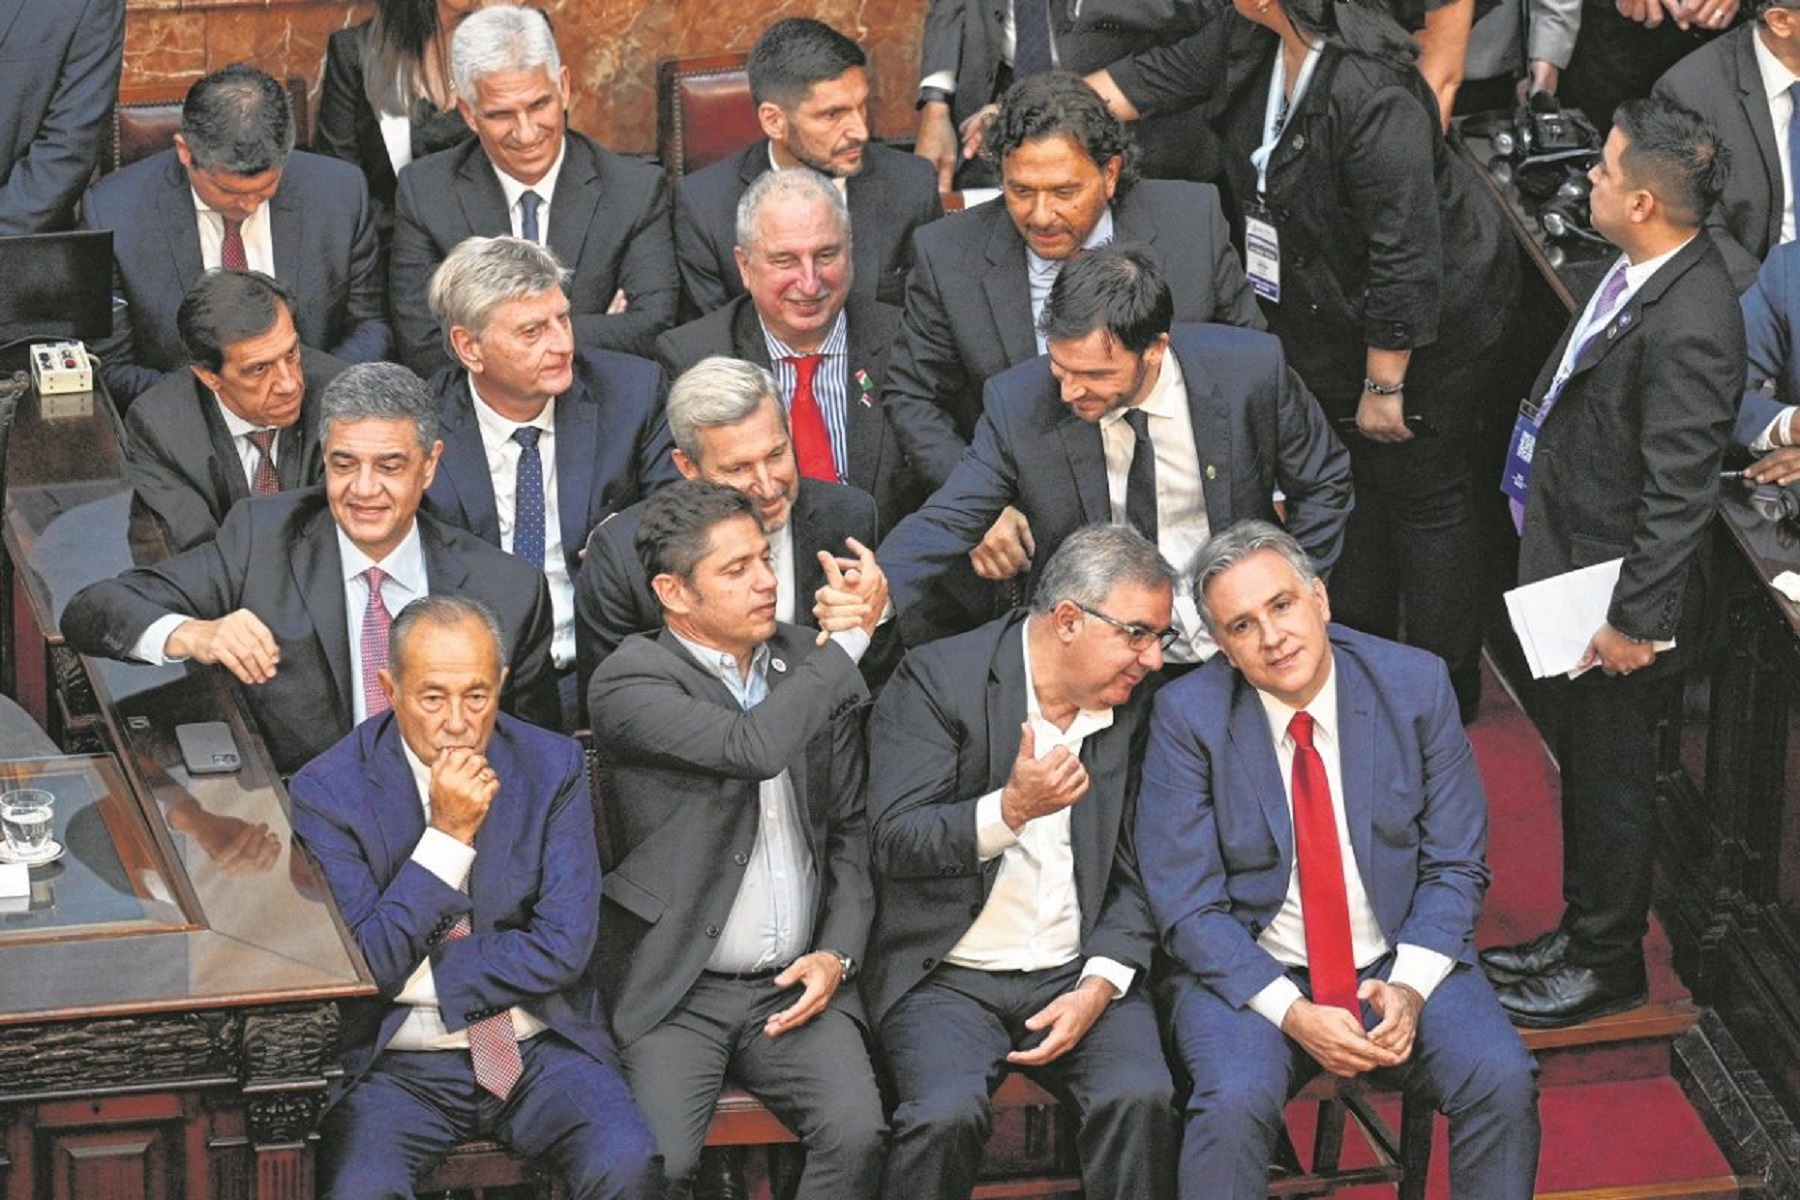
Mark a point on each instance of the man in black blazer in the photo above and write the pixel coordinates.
(233, 192)
(795, 258)
(738, 908)
(811, 91)
(1011, 924)
(242, 420)
(1225, 423)
(529, 175)
(980, 277)
(729, 428)
(294, 595)
(63, 65)
(1616, 456)
(597, 439)
(1736, 82)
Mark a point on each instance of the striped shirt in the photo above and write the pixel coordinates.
(831, 386)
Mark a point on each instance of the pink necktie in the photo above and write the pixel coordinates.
(231, 253)
(1323, 902)
(376, 622)
(265, 483)
(493, 1043)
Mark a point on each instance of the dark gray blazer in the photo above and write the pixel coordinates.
(681, 767)
(609, 224)
(61, 64)
(946, 734)
(181, 461)
(968, 306)
(894, 194)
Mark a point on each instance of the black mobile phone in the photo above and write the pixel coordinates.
(1419, 425)
(207, 747)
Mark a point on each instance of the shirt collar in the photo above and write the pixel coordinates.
(1100, 235)
(545, 187)
(235, 425)
(1638, 274)
(405, 564)
(1776, 78)
(1087, 720)
(421, 773)
(496, 428)
(837, 340)
(1167, 395)
(1324, 709)
(724, 665)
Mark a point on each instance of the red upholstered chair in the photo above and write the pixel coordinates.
(145, 122)
(703, 111)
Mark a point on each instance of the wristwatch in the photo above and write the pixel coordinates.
(933, 95)
(844, 961)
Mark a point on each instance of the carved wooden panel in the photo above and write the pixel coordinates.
(138, 1163)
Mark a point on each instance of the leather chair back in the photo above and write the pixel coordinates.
(703, 111)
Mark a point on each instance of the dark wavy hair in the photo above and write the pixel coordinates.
(1059, 102)
(1356, 27)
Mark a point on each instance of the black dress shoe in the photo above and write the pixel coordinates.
(1506, 963)
(1569, 993)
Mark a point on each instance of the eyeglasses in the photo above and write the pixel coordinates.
(1138, 637)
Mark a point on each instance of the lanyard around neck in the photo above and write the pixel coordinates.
(1279, 109)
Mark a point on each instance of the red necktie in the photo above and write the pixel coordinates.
(1322, 900)
(812, 444)
(231, 253)
(376, 622)
(493, 1043)
(265, 482)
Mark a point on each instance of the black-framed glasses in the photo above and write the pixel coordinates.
(1138, 637)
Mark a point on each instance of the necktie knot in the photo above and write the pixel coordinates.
(806, 366)
(376, 577)
(263, 439)
(527, 436)
(1139, 420)
(1301, 730)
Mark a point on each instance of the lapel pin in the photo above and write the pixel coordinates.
(778, 664)
(868, 389)
(1212, 472)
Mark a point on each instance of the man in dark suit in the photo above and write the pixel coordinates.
(597, 442)
(295, 594)
(811, 91)
(529, 175)
(438, 821)
(1765, 422)
(1224, 421)
(1616, 456)
(803, 320)
(1311, 831)
(62, 68)
(739, 906)
(729, 428)
(233, 192)
(242, 420)
(979, 278)
(1010, 923)
(1739, 83)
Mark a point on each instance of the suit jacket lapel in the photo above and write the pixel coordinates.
(572, 208)
(394, 798)
(747, 338)
(1213, 452)
(1094, 823)
(1356, 763)
(1083, 443)
(862, 421)
(807, 541)
(1008, 289)
(1630, 316)
(1006, 708)
(9, 13)
(1756, 112)
(577, 448)
(499, 833)
(319, 579)
(465, 465)
(227, 474)
(289, 247)
(479, 196)
(181, 228)
(1248, 736)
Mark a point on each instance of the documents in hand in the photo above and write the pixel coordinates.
(1557, 617)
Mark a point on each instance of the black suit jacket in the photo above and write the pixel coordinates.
(1627, 463)
(612, 449)
(181, 461)
(278, 557)
(325, 250)
(892, 195)
(61, 64)
(945, 732)
(681, 766)
(1721, 82)
(1256, 428)
(968, 306)
(609, 224)
(613, 599)
(877, 465)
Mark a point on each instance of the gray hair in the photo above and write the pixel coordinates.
(483, 273)
(501, 39)
(791, 183)
(718, 391)
(1225, 550)
(380, 391)
(1094, 560)
(237, 120)
(442, 609)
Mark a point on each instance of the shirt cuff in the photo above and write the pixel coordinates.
(1111, 970)
(1273, 1002)
(444, 856)
(942, 80)
(855, 642)
(1775, 432)
(1420, 969)
(151, 646)
(993, 836)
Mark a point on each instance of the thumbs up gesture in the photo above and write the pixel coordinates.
(1037, 786)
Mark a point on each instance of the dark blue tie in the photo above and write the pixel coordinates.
(1032, 53)
(528, 216)
(528, 499)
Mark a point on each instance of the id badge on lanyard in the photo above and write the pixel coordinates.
(1262, 251)
(1262, 238)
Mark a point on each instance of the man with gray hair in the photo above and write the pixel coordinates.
(543, 440)
(730, 428)
(527, 174)
(233, 192)
(826, 344)
(296, 594)
(1010, 926)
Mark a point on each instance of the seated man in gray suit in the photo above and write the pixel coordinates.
(1011, 927)
(242, 420)
(739, 904)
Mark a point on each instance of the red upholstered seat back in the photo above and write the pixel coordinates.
(703, 111)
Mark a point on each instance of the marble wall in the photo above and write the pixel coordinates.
(611, 46)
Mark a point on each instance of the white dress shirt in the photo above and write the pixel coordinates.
(1032, 918)
(503, 471)
(1285, 938)
(396, 136)
(259, 242)
(512, 189)
(248, 455)
(1776, 80)
(1040, 273)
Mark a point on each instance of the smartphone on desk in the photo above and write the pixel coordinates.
(207, 747)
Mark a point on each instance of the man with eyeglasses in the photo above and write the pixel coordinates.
(1176, 429)
(1011, 927)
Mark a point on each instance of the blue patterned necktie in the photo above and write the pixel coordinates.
(1033, 53)
(528, 498)
(528, 216)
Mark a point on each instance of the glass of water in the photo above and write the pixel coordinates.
(26, 817)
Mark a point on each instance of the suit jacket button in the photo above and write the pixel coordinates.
(930, 963)
(740, 858)
(712, 931)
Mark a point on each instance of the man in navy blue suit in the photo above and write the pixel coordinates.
(1311, 830)
(233, 192)
(543, 440)
(1765, 423)
(62, 76)
(459, 846)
